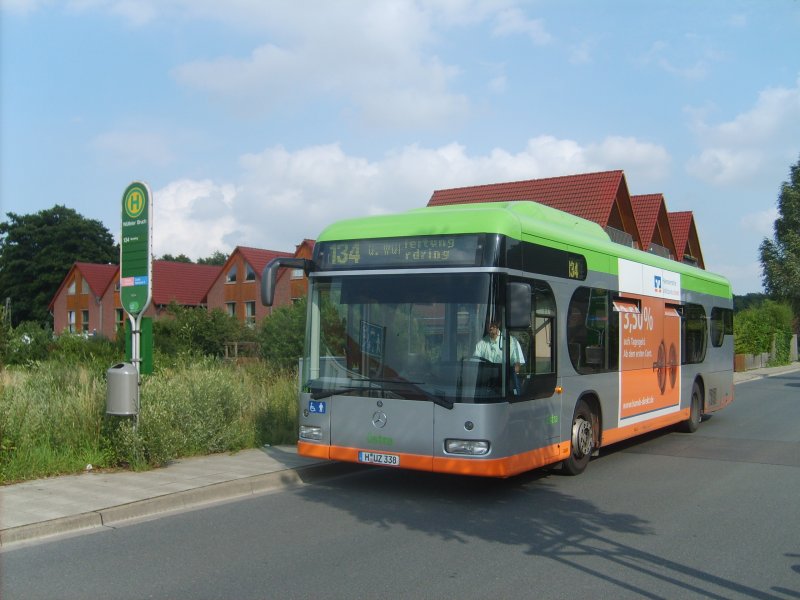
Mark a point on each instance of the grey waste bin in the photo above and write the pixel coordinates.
(123, 390)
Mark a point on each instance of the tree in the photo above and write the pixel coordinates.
(181, 258)
(219, 258)
(37, 251)
(281, 335)
(780, 256)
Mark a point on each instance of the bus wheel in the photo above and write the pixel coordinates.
(691, 424)
(582, 442)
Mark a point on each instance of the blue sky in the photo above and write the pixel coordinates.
(257, 123)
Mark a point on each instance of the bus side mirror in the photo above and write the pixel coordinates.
(518, 305)
(269, 276)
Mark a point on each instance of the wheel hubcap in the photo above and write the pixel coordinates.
(582, 437)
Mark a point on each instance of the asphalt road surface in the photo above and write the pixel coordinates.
(715, 514)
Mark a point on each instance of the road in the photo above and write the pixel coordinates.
(713, 514)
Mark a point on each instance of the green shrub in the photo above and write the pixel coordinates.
(197, 331)
(27, 343)
(756, 329)
(281, 335)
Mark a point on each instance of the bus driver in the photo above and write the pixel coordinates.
(491, 347)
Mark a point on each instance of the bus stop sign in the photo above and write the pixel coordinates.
(135, 283)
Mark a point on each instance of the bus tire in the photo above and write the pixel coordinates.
(691, 424)
(582, 440)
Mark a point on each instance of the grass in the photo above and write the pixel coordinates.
(53, 421)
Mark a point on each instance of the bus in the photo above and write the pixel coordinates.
(595, 342)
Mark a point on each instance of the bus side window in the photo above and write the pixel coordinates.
(721, 325)
(592, 331)
(694, 330)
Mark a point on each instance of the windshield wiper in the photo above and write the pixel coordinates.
(440, 400)
(328, 393)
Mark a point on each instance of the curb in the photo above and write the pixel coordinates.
(183, 500)
(745, 376)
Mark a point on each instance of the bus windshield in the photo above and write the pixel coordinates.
(410, 336)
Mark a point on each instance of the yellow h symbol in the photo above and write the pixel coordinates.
(134, 204)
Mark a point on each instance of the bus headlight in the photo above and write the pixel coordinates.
(470, 447)
(309, 432)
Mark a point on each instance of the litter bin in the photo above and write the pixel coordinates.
(123, 390)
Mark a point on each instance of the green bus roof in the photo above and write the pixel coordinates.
(525, 221)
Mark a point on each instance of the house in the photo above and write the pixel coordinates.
(600, 197)
(88, 299)
(79, 305)
(292, 284)
(652, 219)
(236, 289)
(687, 243)
(640, 221)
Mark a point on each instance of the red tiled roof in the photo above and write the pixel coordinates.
(258, 258)
(589, 195)
(185, 283)
(680, 223)
(97, 276)
(645, 211)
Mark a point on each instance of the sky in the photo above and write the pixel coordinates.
(259, 122)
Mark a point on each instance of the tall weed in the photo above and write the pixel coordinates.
(53, 421)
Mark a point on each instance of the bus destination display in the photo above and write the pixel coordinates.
(421, 251)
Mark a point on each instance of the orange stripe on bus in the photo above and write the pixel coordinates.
(612, 436)
(485, 467)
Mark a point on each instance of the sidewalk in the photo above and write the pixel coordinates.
(58, 505)
(70, 503)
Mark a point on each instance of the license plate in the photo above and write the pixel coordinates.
(376, 458)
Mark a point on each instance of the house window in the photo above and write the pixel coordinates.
(85, 321)
(231, 277)
(231, 308)
(84, 286)
(119, 315)
(297, 273)
(250, 275)
(71, 320)
(71, 288)
(250, 314)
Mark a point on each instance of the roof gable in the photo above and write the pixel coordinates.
(97, 276)
(680, 223)
(684, 232)
(600, 197)
(257, 258)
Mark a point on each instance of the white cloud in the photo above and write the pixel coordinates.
(687, 62)
(762, 223)
(514, 22)
(21, 6)
(194, 218)
(284, 196)
(374, 56)
(740, 150)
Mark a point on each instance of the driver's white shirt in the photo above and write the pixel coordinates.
(492, 350)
